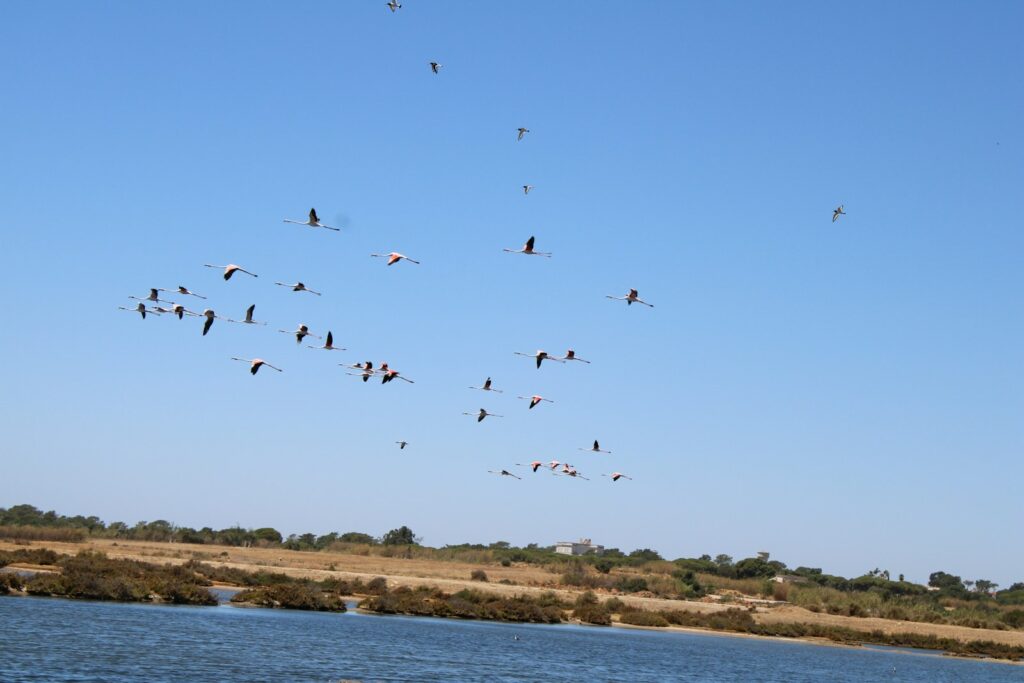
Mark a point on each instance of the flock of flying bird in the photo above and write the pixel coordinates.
(148, 305)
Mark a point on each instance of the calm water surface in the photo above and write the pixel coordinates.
(48, 639)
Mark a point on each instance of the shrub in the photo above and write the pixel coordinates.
(641, 618)
(377, 585)
(478, 575)
(1014, 618)
(466, 604)
(34, 556)
(633, 584)
(614, 604)
(506, 562)
(291, 596)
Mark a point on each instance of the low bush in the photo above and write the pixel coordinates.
(466, 604)
(478, 575)
(642, 618)
(291, 596)
(34, 556)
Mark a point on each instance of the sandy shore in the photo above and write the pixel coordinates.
(454, 576)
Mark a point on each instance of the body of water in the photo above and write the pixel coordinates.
(49, 639)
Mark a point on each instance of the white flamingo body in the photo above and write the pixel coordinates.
(248, 317)
(571, 355)
(596, 448)
(528, 249)
(210, 317)
(541, 356)
(230, 269)
(329, 344)
(301, 332)
(632, 298)
(482, 414)
(297, 287)
(184, 291)
(314, 221)
(140, 309)
(394, 257)
(615, 476)
(256, 363)
(487, 387)
(153, 296)
(535, 400)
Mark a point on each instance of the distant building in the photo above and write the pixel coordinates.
(789, 578)
(583, 547)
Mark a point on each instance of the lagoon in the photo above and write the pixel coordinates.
(47, 639)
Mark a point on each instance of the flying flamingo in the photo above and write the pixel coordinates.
(367, 370)
(615, 476)
(554, 464)
(301, 332)
(595, 449)
(248, 317)
(435, 67)
(541, 356)
(181, 311)
(487, 387)
(630, 299)
(329, 346)
(393, 5)
(210, 317)
(571, 355)
(570, 471)
(522, 132)
(140, 309)
(837, 212)
(528, 249)
(297, 287)
(314, 220)
(230, 270)
(535, 465)
(152, 297)
(402, 445)
(394, 257)
(482, 414)
(393, 374)
(504, 473)
(184, 291)
(256, 364)
(534, 400)
(527, 188)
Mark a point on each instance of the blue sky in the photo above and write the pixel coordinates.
(843, 395)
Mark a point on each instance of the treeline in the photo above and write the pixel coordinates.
(26, 522)
(613, 570)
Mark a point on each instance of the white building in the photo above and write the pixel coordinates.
(583, 547)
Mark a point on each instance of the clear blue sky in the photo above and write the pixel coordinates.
(843, 395)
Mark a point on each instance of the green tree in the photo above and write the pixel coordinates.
(723, 560)
(645, 554)
(357, 537)
(944, 581)
(403, 535)
(754, 567)
(268, 534)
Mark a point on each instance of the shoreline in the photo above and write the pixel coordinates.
(526, 580)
